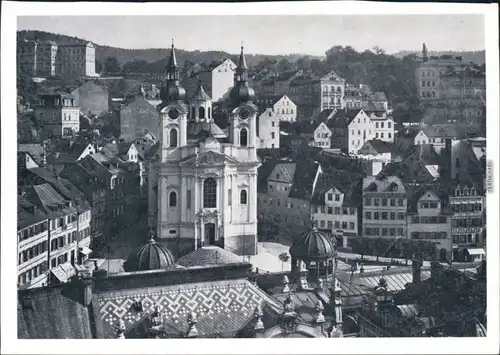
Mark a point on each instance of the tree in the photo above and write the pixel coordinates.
(111, 65)
(284, 257)
(304, 63)
(284, 65)
(98, 66)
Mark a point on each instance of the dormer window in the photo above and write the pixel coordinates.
(394, 188)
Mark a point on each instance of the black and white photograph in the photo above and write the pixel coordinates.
(250, 171)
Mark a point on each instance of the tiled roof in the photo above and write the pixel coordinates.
(35, 150)
(221, 306)
(371, 106)
(441, 131)
(373, 183)
(69, 318)
(343, 118)
(286, 75)
(28, 214)
(264, 170)
(286, 172)
(347, 182)
(415, 193)
(323, 116)
(378, 96)
(209, 255)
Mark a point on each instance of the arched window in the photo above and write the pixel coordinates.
(173, 138)
(243, 197)
(202, 112)
(243, 137)
(210, 193)
(172, 199)
(209, 112)
(193, 112)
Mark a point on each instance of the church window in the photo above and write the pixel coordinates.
(188, 198)
(244, 137)
(209, 112)
(193, 112)
(229, 197)
(243, 197)
(172, 199)
(173, 138)
(202, 112)
(210, 193)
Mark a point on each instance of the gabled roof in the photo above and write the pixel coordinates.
(439, 132)
(285, 171)
(378, 96)
(303, 179)
(326, 116)
(416, 193)
(35, 150)
(347, 182)
(332, 74)
(379, 146)
(28, 214)
(286, 75)
(374, 107)
(63, 186)
(343, 118)
(116, 150)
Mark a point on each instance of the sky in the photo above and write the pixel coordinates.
(272, 35)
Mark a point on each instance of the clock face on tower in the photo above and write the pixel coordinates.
(244, 114)
(173, 114)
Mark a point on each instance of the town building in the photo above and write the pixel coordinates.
(203, 183)
(58, 115)
(269, 129)
(380, 153)
(384, 207)
(322, 136)
(332, 91)
(217, 80)
(281, 105)
(430, 219)
(468, 161)
(435, 136)
(46, 58)
(76, 60)
(353, 97)
(336, 205)
(360, 129)
(305, 92)
(92, 98)
(468, 205)
(278, 85)
(134, 119)
(27, 57)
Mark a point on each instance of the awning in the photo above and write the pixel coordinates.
(85, 251)
(476, 251)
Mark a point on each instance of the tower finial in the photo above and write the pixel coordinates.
(173, 43)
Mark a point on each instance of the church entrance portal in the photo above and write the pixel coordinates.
(210, 234)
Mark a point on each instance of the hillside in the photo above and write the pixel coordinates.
(149, 55)
(477, 57)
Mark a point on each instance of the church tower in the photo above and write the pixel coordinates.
(203, 186)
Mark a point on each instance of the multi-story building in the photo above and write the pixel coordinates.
(322, 136)
(27, 57)
(46, 58)
(76, 60)
(58, 115)
(217, 80)
(92, 98)
(468, 222)
(201, 187)
(451, 89)
(429, 219)
(353, 97)
(134, 119)
(269, 129)
(281, 105)
(362, 128)
(332, 91)
(336, 205)
(384, 207)
(279, 85)
(435, 136)
(305, 91)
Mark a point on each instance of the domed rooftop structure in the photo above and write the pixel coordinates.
(313, 245)
(150, 256)
(241, 92)
(200, 94)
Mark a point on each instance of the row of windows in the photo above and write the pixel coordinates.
(336, 210)
(428, 83)
(335, 224)
(389, 135)
(464, 208)
(385, 215)
(34, 272)
(467, 222)
(429, 73)
(429, 94)
(322, 144)
(32, 252)
(384, 232)
(115, 180)
(332, 89)
(32, 231)
(322, 135)
(429, 219)
(389, 125)
(426, 205)
(61, 259)
(62, 241)
(465, 239)
(466, 192)
(209, 201)
(288, 204)
(384, 201)
(118, 211)
(329, 197)
(174, 140)
(429, 235)
(279, 187)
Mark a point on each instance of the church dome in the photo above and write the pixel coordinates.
(150, 256)
(172, 92)
(241, 92)
(313, 245)
(200, 94)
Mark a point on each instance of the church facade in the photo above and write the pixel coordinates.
(203, 180)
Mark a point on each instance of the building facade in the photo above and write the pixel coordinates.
(46, 58)
(202, 190)
(93, 99)
(76, 60)
(322, 136)
(332, 91)
(27, 56)
(384, 207)
(269, 129)
(58, 115)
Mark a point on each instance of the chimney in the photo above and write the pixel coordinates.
(416, 268)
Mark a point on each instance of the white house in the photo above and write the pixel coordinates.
(281, 105)
(360, 130)
(332, 91)
(322, 136)
(269, 129)
(435, 136)
(384, 128)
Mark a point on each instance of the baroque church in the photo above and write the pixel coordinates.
(202, 179)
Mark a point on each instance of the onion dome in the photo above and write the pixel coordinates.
(241, 92)
(172, 91)
(313, 245)
(200, 94)
(150, 256)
